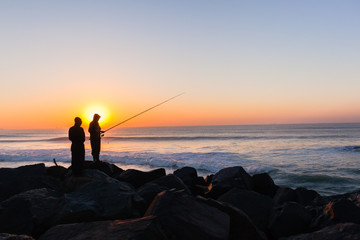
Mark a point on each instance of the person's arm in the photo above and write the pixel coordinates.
(70, 134)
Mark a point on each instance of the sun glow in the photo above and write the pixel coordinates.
(89, 112)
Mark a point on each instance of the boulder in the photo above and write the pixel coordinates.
(110, 169)
(305, 196)
(335, 232)
(17, 180)
(56, 172)
(6, 236)
(183, 217)
(228, 178)
(71, 183)
(138, 178)
(147, 228)
(101, 200)
(171, 181)
(241, 226)
(290, 219)
(257, 206)
(187, 174)
(352, 196)
(340, 211)
(264, 184)
(31, 212)
(285, 195)
(149, 191)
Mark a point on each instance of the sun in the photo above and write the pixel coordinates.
(89, 112)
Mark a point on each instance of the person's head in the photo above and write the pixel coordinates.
(96, 117)
(78, 121)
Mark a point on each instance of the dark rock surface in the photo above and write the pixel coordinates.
(6, 236)
(228, 178)
(71, 183)
(285, 195)
(241, 226)
(138, 178)
(51, 203)
(99, 200)
(264, 184)
(56, 172)
(255, 205)
(149, 191)
(17, 180)
(171, 181)
(339, 211)
(290, 219)
(31, 212)
(140, 229)
(108, 168)
(187, 174)
(183, 217)
(305, 196)
(346, 231)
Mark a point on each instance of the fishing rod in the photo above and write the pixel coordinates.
(143, 112)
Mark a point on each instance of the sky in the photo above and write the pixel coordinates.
(238, 62)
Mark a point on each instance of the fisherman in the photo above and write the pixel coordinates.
(77, 138)
(95, 137)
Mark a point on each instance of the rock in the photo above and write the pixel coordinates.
(208, 179)
(228, 178)
(305, 196)
(149, 191)
(184, 217)
(17, 180)
(147, 228)
(31, 212)
(335, 232)
(187, 174)
(71, 183)
(264, 184)
(110, 169)
(290, 219)
(6, 236)
(138, 178)
(241, 226)
(199, 190)
(100, 200)
(171, 181)
(56, 172)
(257, 206)
(285, 195)
(323, 200)
(342, 211)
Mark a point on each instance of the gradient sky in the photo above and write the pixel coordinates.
(239, 62)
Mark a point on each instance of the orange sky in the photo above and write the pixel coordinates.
(238, 62)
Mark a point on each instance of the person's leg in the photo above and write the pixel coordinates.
(76, 168)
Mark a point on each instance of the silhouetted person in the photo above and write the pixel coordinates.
(95, 137)
(77, 138)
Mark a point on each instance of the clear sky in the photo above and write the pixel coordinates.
(239, 62)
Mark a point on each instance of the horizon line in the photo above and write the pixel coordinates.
(206, 125)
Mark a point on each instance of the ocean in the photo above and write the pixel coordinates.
(322, 157)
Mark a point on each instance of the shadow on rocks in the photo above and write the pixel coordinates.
(183, 217)
(146, 228)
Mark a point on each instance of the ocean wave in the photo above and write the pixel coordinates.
(207, 163)
(351, 148)
(318, 178)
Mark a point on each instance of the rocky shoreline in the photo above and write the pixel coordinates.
(107, 202)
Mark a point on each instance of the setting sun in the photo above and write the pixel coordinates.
(91, 110)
